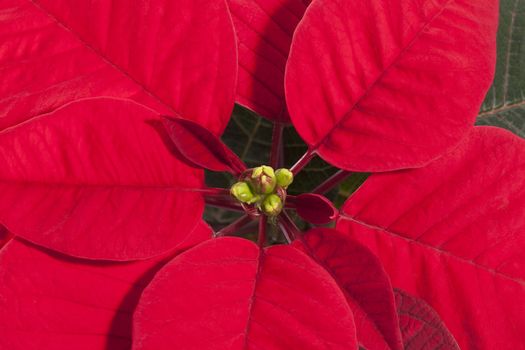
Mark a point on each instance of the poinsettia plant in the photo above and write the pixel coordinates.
(111, 111)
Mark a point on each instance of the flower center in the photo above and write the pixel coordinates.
(263, 189)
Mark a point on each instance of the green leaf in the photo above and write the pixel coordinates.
(504, 105)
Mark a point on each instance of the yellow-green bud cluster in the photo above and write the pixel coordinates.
(272, 205)
(284, 177)
(242, 191)
(264, 188)
(263, 179)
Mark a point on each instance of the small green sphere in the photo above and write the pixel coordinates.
(284, 177)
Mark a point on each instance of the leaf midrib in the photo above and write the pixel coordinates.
(103, 57)
(345, 291)
(502, 109)
(253, 298)
(440, 251)
(381, 75)
(133, 186)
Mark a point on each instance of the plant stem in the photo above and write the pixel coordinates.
(220, 197)
(219, 203)
(302, 162)
(234, 226)
(261, 239)
(332, 181)
(290, 230)
(250, 228)
(277, 144)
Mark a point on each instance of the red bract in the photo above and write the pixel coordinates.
(201, 148)
(363, 281)
(97, 185)
(314, 208)
(52, 301)
(5, 236)
(389, 84)
(230, 294)
(110, 111)
(264, 34)
(451, 233)
(420, 325)
(168, 55)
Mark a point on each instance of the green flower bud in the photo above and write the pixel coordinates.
(284, 177)
(243, 192)
(263, 179)
(272, 205)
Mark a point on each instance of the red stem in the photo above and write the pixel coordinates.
(290, 230)
(277, 144)
(248, 229)
(302, 162)
(234, 226)
(225, 204)
(261, 239)
(291, 201)
(332, 181)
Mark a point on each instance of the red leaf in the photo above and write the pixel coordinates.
(201, 147)
(94, 179)
(314, 208)
(421, 326)
(175, 56)
(228, 294)
(264, 33)
(375, 85)
(452, 234)
(52, 301)
(5, 236)
(363, 281)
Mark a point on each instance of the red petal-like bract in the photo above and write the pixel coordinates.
(264, 33)
(315, 208)
(376, 85)
(363, 281)
(51, 301)
(5, 236)
(229, 294)
(421, 326)
(201, 147)
(452, 233)
(94, 179)
(175, 56)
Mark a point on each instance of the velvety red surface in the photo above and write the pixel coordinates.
(376, 85)
(177, 57)
(94, 179)
(201, 147)
(264, 33)
(89, 171)
(229, 294)
(315, 208)
(421, 326)
(5, 236)
(51, 301)
(452, 234)
(363, 281)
